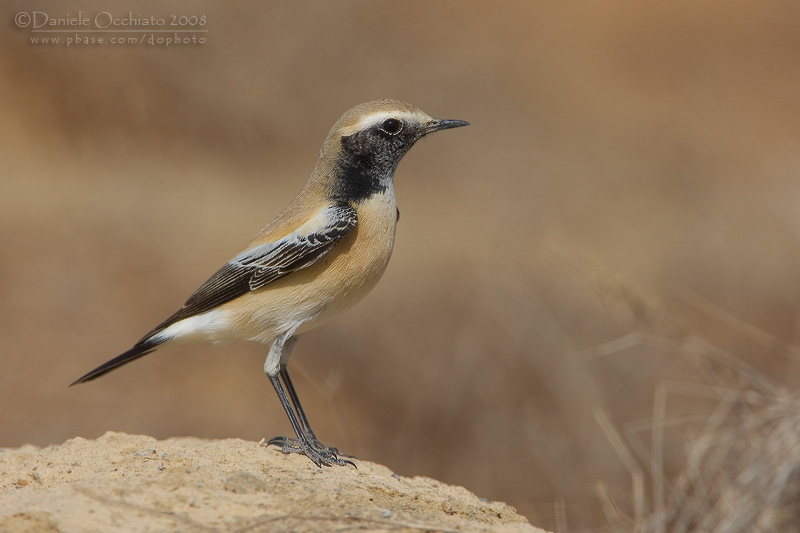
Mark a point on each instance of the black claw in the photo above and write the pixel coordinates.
(320, 455)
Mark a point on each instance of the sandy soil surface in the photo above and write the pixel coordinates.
(123, 482)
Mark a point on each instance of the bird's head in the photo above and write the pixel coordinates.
(366, 144)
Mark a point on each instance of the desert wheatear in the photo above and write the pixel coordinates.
(319, 256)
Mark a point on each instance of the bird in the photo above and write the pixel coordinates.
(317, 258)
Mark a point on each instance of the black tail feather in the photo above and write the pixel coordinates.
(140, 349)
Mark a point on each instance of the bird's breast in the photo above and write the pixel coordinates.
(357, 262)
(310, 296)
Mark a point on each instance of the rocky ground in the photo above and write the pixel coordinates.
(123, 482)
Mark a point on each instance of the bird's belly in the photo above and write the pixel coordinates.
(308, 297)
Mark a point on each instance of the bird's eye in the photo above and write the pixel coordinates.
(391, 126)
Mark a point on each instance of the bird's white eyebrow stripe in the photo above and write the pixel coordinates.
(375, 118)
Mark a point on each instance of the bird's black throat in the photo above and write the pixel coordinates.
(364, 167)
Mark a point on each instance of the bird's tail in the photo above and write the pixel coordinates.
(143, 347)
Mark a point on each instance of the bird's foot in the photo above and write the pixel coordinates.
(319, 454)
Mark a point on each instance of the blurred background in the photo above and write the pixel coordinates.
(581, 279)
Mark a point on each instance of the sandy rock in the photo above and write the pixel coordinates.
(123, 482)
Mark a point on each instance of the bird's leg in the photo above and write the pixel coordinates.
(283, 374)
(298, 409)
(301, 416)
(288, 346)
(305, 443)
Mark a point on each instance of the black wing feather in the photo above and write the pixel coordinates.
(263, 265)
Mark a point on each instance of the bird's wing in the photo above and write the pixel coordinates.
(259, 266)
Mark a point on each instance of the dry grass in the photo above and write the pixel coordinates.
(741, 462)
(739, 467)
